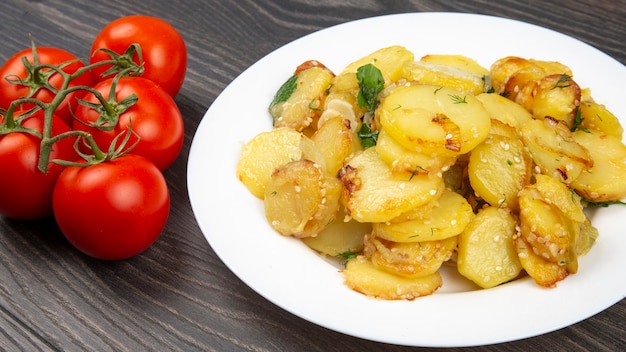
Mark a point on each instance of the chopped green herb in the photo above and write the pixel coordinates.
(563, 82)
(602, 204)
(311, 105)
(578, 119)
(367, 136)
(417, 168)
(285, 91)
(347, 256)
(371, 82)
(437, 90)
(509, 162)
(457, 99)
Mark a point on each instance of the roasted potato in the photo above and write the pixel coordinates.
(264, 153)
(444, 75)
(486, 253)
(434, 119)
(554, 150)
(341, 236)
(372, 193)
(543, 272)
(606, 180)
(502, 69)
(389, 60)
(404, 161)
(335, 141)
(301, 199)
(504, 110)
(498, 169)
(299, 100)
(459, 61)
(442, 218)
(596, 117)
(362, 276)
(409, 259)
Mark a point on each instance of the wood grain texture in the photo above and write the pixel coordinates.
(178, 295)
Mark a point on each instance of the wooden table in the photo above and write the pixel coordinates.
(178, 295)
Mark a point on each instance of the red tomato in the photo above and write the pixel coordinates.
(112, 210)
(25, 191)
(13, 68)
(163, 49)
(155, 118)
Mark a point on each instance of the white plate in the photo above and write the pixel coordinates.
(291, 276)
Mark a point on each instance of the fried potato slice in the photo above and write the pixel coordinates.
(597, 117)
(362, 276)
(389, 60)
(606, 180)
(498, 169)
(340, 236)
(544, 273)
(303, 105)
(486, 253)
(372, 193)
(504, 110)
(458, 61)
(445, 218)
(444, 75)
(336, 141)
(264, 153)
(301, 199)
(404, 161)
(554, 150)
(409, 259)
(434, 119)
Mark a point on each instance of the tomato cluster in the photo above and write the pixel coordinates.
(87, 142)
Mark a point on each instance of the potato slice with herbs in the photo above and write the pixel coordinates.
(557, 96)
(362, 276)
(372, 193)
(486, 253)
(596, 117)
(554, 150)
(504, 68)
(434, 119)
(446, 218)
(411, 259)
(298, 102)
(301, 199)
(402, 160)
(606, 180)
(498, 169)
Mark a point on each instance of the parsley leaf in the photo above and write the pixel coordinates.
(285, 91)
(367, 136)
(371, 82)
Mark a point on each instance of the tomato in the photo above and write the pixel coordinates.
(25, 191)
(14, 68)
(112, 210)
(155, 118)
(163, 49)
